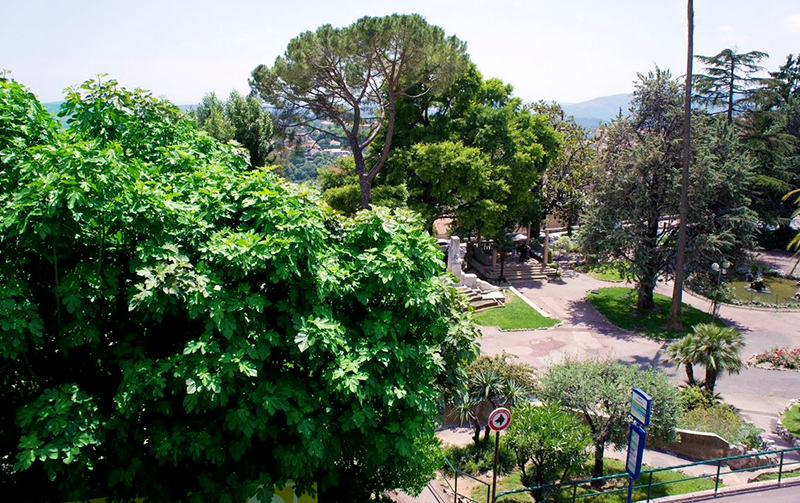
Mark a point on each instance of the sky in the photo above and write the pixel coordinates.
(563, 50)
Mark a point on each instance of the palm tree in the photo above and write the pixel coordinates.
(487, 385)
(717, 349)
(465, 409)
(682, 352)
(515, 393)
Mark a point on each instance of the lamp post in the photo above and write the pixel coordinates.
(720, 270)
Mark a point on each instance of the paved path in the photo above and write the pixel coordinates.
(758, 393)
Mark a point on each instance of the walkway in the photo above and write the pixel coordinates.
(758, 393)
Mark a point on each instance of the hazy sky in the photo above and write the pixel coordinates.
(565, 50)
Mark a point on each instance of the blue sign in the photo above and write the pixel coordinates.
(636, 439)
(641, 406)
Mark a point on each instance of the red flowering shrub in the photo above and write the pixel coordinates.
(781, 357)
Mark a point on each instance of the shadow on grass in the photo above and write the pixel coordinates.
(617, 305)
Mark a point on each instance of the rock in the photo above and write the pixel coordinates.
(737, 450)
(749, 462)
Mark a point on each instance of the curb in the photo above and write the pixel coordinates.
(754, 487)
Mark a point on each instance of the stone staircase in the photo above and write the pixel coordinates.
(514, 272)
(480, 299)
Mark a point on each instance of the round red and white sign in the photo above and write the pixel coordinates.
(499, 419)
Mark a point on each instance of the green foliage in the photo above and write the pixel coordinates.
(473, 152)
(695, 397)
(715, 347)
(145, 127)
(792, 420)
(24, 123)
(341, 73)
(723, 420)
(564, 244)
(787, 474)
(514, 315)
(728, 82)
(771, 132)
(604, 271)
(600, 391)
(184, 328)
(520, 373)
(346, 198)
(617, 304)
(241, 119)
(491, 380)
(446, 177)
(637, 190)
(551, 441)
(564, 181)
(478, 458)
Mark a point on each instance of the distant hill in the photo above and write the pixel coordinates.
(591, 113)
(52, 106)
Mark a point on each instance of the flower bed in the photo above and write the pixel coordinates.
(784, 358)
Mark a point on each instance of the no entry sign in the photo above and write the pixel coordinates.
(499, 419)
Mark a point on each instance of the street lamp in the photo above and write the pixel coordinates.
(715, 300)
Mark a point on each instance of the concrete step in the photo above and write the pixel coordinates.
(485, 304)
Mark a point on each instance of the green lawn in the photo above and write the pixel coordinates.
(607, 271)
(611, 466)
(516, 314)
(617, 304)
(774, 475)
(792, 420)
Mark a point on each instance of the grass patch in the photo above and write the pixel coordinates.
(617, 304)
(516, 314)
(664, 484)
(774, 475)
(792, 420)
(606, 271)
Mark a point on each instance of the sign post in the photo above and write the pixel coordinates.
(499, 420)
(641, 408)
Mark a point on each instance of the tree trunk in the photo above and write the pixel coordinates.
(502, 264)
(731, 90)
(675, 322)
(486, 432)
(645, 300)
(711, 379)
(689, 373)
(477, 437)
(597, 470)
(546, 252)
(366, 192)
(570, 217)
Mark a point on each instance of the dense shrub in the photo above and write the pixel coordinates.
(723, 420)
(564, 244)
(479, 458)
(695, 397)
(506, 368)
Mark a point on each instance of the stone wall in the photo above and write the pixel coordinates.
(697, 445)
(700, 445)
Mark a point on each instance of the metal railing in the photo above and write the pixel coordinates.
(568, 491)
(454, 488)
